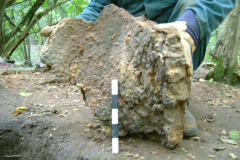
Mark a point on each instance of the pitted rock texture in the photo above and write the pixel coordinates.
(149, 64)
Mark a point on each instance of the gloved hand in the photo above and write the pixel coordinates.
(186, 40)
(45, 31)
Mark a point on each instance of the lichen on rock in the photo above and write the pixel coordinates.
(149, 64)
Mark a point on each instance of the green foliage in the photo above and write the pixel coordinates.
(211, 46)
(18, 10)
(18, 54)
(45, 4)
(234, 135)
(24, 94)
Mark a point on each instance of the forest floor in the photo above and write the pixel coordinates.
(57, 124)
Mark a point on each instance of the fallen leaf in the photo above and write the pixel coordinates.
(238, 111)
(97, 139)
(211, 156)
(23, 108)
(191, 156)
(87, 130)
(213, 151)
(25, 94)
(21, 87)
(238, 95)
(90, 126)
(184, 149)
(210, 102)
(54, 129)
(142, 158)
(198, 139)
(228, 95)
(76, 109)
(136, 156)
(131, 155)
(225, 100)
(73, 86)
(232, 155)
(56, 96)
(224, 132)
(234, 135)
(230, 141)
(68, 78)
(154, 152)
(220, 148)
(225, 137)
(195, 138)
(78, 100)
(17, 111)
(50, 136)
(6, 87)
(13, 76)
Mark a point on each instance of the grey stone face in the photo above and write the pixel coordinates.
(148, 63)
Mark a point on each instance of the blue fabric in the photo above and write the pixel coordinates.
(210, 14)
(91, 12)
(192, 24)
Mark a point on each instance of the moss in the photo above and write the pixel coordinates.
(230, 74)
(210, 75)
(214, 60)
(219, 71)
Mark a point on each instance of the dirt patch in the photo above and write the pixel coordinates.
(58, 125)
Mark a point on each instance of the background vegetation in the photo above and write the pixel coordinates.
(22, 20)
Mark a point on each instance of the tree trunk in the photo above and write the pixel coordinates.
(220, 42)
(221, 51)
(2, 10)
(24, 48)
(227, 48)
(221, 63)
(232, 60)
(27, 50)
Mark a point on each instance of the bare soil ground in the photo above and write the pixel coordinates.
(57, 124)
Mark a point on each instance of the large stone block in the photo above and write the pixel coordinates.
(149, 64)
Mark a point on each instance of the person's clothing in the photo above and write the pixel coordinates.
(208, 15)
(189, 16)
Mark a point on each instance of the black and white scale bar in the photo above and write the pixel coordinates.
(115, 141)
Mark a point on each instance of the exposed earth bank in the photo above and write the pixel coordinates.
(58, 125)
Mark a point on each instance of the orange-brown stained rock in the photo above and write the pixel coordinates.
(148, 63)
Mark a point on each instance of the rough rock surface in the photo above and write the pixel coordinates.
(201, 73)
(149, 64)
